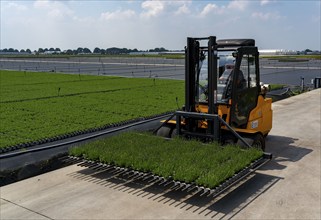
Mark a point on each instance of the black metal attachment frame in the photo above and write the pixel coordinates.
(150, 178)
(216, 119)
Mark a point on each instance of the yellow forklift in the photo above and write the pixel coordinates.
(224, 99)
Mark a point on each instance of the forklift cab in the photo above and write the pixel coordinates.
(238, 83)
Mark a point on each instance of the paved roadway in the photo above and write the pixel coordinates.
(272, 71)
(288, 187)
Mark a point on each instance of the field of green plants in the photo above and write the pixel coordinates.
(183, 160)
(37, 105)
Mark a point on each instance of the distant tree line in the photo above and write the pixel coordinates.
(80, 50)
(97, 50)
(11, 50)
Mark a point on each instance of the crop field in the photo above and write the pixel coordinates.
(183, 160)
(38, 105)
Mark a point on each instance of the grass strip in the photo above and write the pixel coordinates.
(183, 160)
(276, 86)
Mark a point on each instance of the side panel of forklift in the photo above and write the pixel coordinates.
(223, 96)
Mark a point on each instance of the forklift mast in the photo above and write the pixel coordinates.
(194, 54)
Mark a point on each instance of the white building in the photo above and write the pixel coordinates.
(277, 52)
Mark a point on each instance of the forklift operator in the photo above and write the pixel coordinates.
(226, 79)
(240, 83)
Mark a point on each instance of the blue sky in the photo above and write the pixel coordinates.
(274, 24)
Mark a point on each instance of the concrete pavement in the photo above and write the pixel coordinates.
(295, 143)
(288, 187)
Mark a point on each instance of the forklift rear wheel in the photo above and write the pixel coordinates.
(259, 142)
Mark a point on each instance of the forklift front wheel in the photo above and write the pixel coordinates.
(165, 131)
(174, 133)
(259, 142)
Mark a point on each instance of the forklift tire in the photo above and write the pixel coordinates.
(164, 131)
(266, 135)
(174, 133)
(259, 142)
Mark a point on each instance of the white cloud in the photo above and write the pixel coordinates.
(208, 9)
(266, 16)
(265, 2)
(16, 7)
(54, 9)
(120, 15)
(156, 8)
(184, 9)
(238, 5)
(152, 8)
(41, 4)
